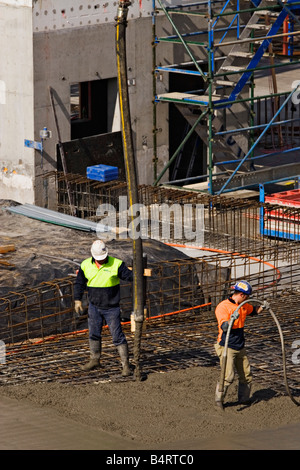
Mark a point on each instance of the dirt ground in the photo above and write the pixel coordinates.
(167, 409)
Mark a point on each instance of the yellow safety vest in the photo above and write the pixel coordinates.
(105, 276)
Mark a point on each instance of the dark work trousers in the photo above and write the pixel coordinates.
(96, 317)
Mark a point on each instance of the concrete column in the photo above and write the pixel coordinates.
(16, 101)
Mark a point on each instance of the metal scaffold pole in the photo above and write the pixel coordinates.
(154, 121)
(210, 105)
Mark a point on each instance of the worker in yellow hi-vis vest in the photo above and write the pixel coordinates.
(100, 275)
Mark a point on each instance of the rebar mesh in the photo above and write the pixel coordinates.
(180, 285)
(168, 344)
(47, 342)
(230, 223)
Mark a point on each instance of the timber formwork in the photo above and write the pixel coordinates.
(232, 44)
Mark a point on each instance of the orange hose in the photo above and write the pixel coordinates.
(216, 250)
(72, 333)
(178, 311)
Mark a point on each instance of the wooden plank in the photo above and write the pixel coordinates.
(7, 248)
(6, 263)
(147, 271)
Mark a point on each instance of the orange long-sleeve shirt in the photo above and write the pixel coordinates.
(223, 313)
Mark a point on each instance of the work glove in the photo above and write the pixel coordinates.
(235, 315)
(265, 304)
(78, 307)
(224, 326)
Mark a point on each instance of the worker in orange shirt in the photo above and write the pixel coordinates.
(236, 353)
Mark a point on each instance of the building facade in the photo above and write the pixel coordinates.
(59, 72)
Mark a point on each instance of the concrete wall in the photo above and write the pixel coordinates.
(50, 43)
(77, 44)
(60, 59)
(55, 43)
(16, 101)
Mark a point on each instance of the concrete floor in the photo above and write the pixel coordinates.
(28, 427)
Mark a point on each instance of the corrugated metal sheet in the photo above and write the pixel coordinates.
(57, 218)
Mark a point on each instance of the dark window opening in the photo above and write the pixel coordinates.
(94, 108)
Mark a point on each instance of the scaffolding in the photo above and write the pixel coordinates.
(234, 43)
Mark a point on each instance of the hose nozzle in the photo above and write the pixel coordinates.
(123, 10)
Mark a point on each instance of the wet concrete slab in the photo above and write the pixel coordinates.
(28, 427)
(282, 438)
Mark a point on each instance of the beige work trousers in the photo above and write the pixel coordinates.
(236, 361)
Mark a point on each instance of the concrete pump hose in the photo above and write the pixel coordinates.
(131, 178)
(233, 317)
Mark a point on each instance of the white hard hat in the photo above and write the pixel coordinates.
(99, 250)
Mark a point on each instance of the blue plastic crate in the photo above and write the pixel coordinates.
(102, 172)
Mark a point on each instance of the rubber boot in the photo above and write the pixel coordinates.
(219, 396)
(95, 353)
(244, 391)
(123, 351)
